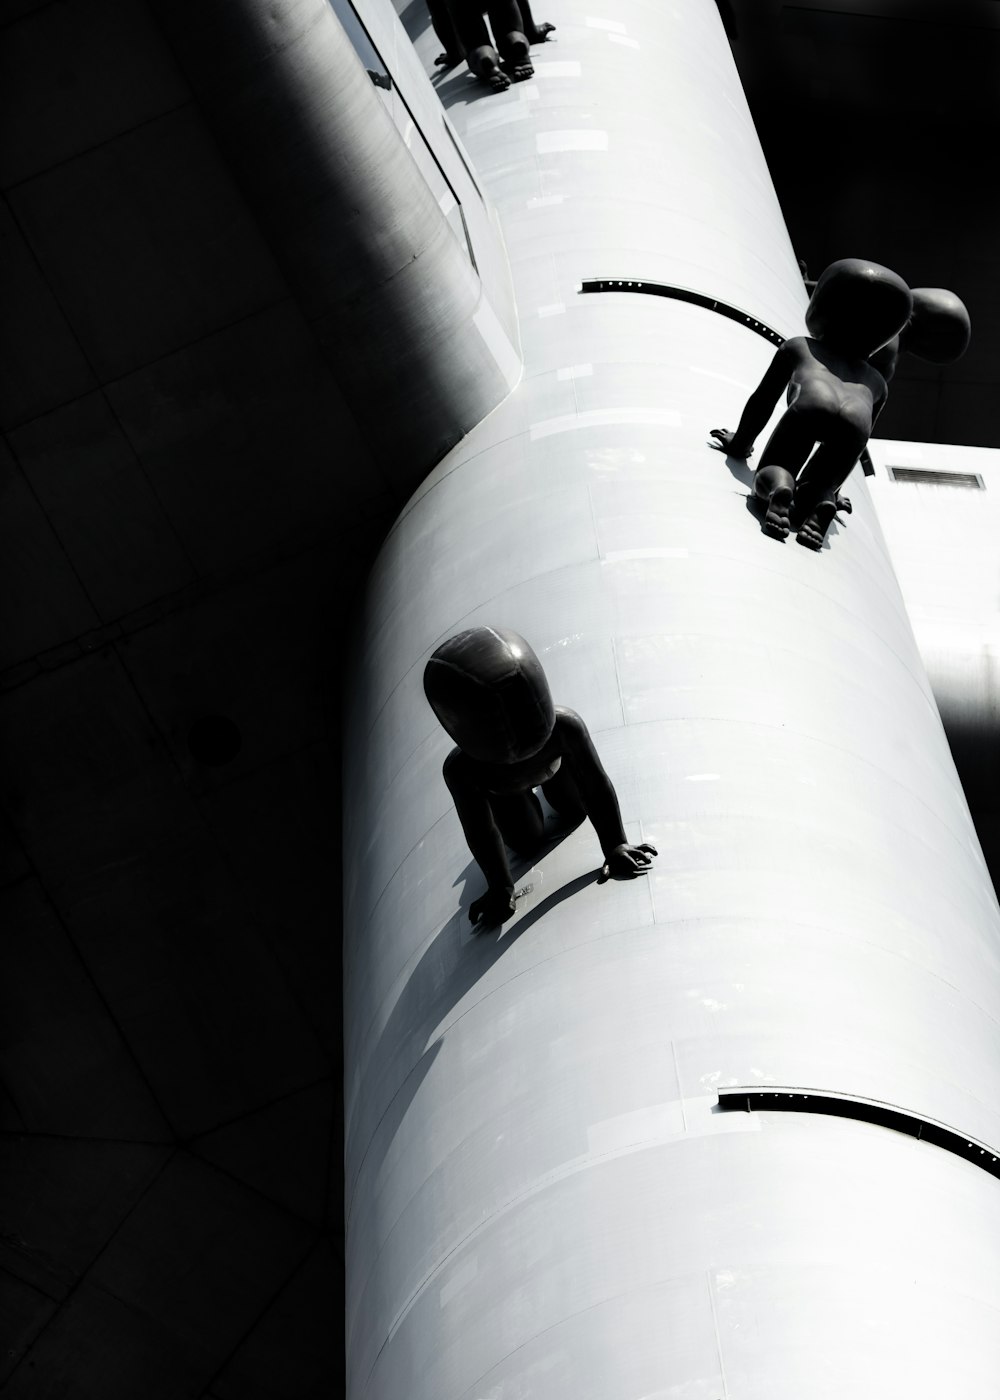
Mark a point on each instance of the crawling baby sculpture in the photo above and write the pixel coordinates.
(489, 691)
(470, 19)
(834, 397)
(514, 29)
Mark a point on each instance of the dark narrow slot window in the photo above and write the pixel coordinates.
(664, 289)
(863, 1111)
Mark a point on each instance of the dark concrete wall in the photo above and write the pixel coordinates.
(388, 292)
(189, 501)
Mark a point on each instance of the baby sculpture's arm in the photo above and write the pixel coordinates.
(760, 404)
(598, 796)
(536, 33)
(484, 840)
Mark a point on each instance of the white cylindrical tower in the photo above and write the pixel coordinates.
(543, 1196)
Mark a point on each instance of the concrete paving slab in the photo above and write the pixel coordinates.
(279, 827)
(24, 1312)
(41, 361)
(63, 1062)
(44, 603)
(282, 1150)
(252, 654)
(204, 1257)
(293, 1352)
(61, 1201)
(87, 784)
(247, 439)
(171, 942)
(102, 508)
(166, 255)
(84, 72)
(98, 1345)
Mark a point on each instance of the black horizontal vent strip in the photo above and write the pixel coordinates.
(926, 476)
(721, 308)
(664, 289)
(864, 1111)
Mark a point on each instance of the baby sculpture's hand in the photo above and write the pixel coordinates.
(725, 440)
(492, 907)
(625, 861)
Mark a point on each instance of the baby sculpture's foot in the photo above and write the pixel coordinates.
(777, 519)
(812, 531)
(517, 59)
(447, 60)
(540, 32)
(485, 63)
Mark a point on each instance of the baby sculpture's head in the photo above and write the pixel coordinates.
(858, 306)
(939, 328)
(489, 691)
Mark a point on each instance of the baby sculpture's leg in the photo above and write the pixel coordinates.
(787, 448)
(775, 486)
(481, 56)
(519, 817)
(816, 522)
(820, 479)
(485, 63)
(444, 27)
(508, 31)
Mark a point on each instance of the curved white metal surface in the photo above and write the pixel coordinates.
(540, 1200)
(945, 545)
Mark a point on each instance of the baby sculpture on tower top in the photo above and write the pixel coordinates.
(834, 396)
(489, 691)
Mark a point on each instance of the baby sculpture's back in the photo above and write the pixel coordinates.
(825, 380)
(833, 398)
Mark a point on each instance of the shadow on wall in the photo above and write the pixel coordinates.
(455, 960)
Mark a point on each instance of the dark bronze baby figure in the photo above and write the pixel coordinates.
(454, 49)
(513, 32)
(834, 397)
(489, 691)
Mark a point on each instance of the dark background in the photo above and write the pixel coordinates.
(879, 120)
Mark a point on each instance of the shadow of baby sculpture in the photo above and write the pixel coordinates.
(489, 691)
(834, 397)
